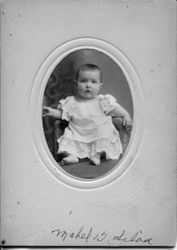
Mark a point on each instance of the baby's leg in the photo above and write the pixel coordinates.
(69, 160)
(96, 159)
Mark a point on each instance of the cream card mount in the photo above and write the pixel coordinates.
(126, 202)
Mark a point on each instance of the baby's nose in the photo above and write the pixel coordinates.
(88, 84)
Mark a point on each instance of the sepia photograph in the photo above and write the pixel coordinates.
(88, 124)
(87, 113)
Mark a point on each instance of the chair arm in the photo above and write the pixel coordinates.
(118, 122)
(124, 131)
(59, 127)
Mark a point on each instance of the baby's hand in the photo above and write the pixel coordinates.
(127, 122)
(46, 111)
(51, 112)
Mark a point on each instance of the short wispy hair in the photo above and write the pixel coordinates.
(86, 67)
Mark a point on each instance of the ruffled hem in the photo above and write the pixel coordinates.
(112, 150)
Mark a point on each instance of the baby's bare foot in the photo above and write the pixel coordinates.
(96, 159)
(69, 160)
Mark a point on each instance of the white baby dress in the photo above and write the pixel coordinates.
(90, 128)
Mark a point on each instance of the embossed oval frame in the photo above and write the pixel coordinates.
(35, 107)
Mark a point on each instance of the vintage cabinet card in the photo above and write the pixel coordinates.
(88, 123)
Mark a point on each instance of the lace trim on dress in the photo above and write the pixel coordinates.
(82, 150)
(107, 102)
(67, 106)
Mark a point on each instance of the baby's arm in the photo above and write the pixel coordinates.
(51, 112)
(121, 112)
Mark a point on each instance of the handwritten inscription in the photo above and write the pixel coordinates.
(91, 235)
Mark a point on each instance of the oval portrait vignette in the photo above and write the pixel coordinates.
(91, 105)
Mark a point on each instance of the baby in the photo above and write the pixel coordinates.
(90, 132)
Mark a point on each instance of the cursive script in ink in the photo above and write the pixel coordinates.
(80, 234)
(91, 234)
(136, 237)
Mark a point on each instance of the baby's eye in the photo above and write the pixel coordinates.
(83, 80)
(94, 82)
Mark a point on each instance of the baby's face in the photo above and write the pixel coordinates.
(88, 83)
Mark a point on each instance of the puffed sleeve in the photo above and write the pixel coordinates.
(108, 103)
(66, 105)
